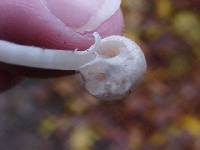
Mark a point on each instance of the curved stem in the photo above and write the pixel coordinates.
(36, 57)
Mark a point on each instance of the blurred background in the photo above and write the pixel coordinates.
(163, 113)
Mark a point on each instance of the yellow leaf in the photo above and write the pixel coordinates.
(164, 8)
(191, 124)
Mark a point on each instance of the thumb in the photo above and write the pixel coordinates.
(59, 24)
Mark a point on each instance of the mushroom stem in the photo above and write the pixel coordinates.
(30, 56)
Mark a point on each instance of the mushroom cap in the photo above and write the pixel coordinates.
(119, 65)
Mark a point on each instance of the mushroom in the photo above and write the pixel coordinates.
(109, 69)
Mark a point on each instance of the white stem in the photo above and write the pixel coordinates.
(35, 57)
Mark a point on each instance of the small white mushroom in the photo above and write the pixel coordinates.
(109, 69)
